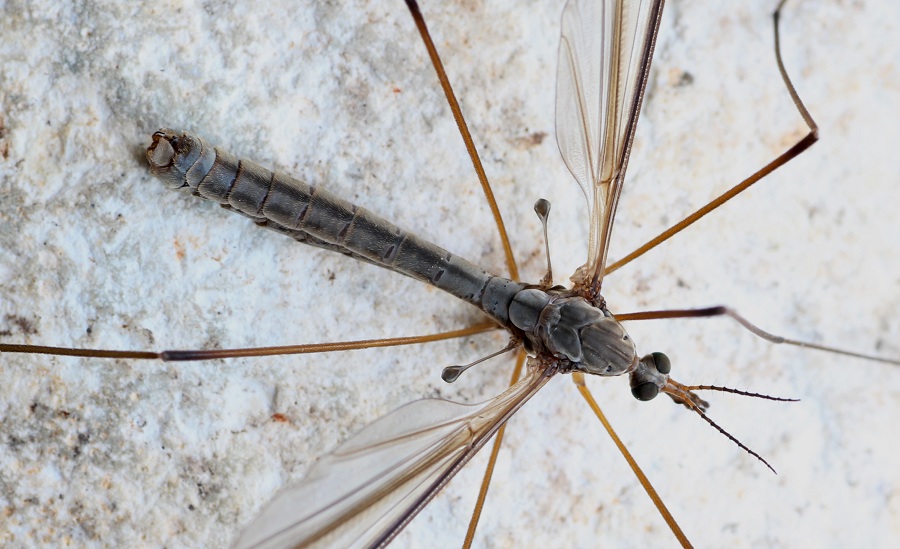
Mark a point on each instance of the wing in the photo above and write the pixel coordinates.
(373, 484)
(604, 59)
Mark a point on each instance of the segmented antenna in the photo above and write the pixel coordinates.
(676, 391)
(738, 392)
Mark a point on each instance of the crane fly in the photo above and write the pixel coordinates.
(206, 447)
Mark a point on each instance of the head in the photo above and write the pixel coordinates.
(650, 376)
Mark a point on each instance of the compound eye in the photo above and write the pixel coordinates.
(663, 364)
(645, 391)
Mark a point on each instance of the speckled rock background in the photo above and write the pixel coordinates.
(94, 252)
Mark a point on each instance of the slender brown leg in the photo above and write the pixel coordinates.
(751, 327)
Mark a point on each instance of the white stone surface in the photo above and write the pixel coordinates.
(95, 253)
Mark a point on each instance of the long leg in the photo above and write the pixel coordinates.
(722, 310)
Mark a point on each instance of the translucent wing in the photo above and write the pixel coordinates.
(373, 484)
(604, 60)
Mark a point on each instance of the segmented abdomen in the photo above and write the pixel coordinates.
(315, 216)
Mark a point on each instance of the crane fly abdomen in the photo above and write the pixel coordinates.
(315, 216)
